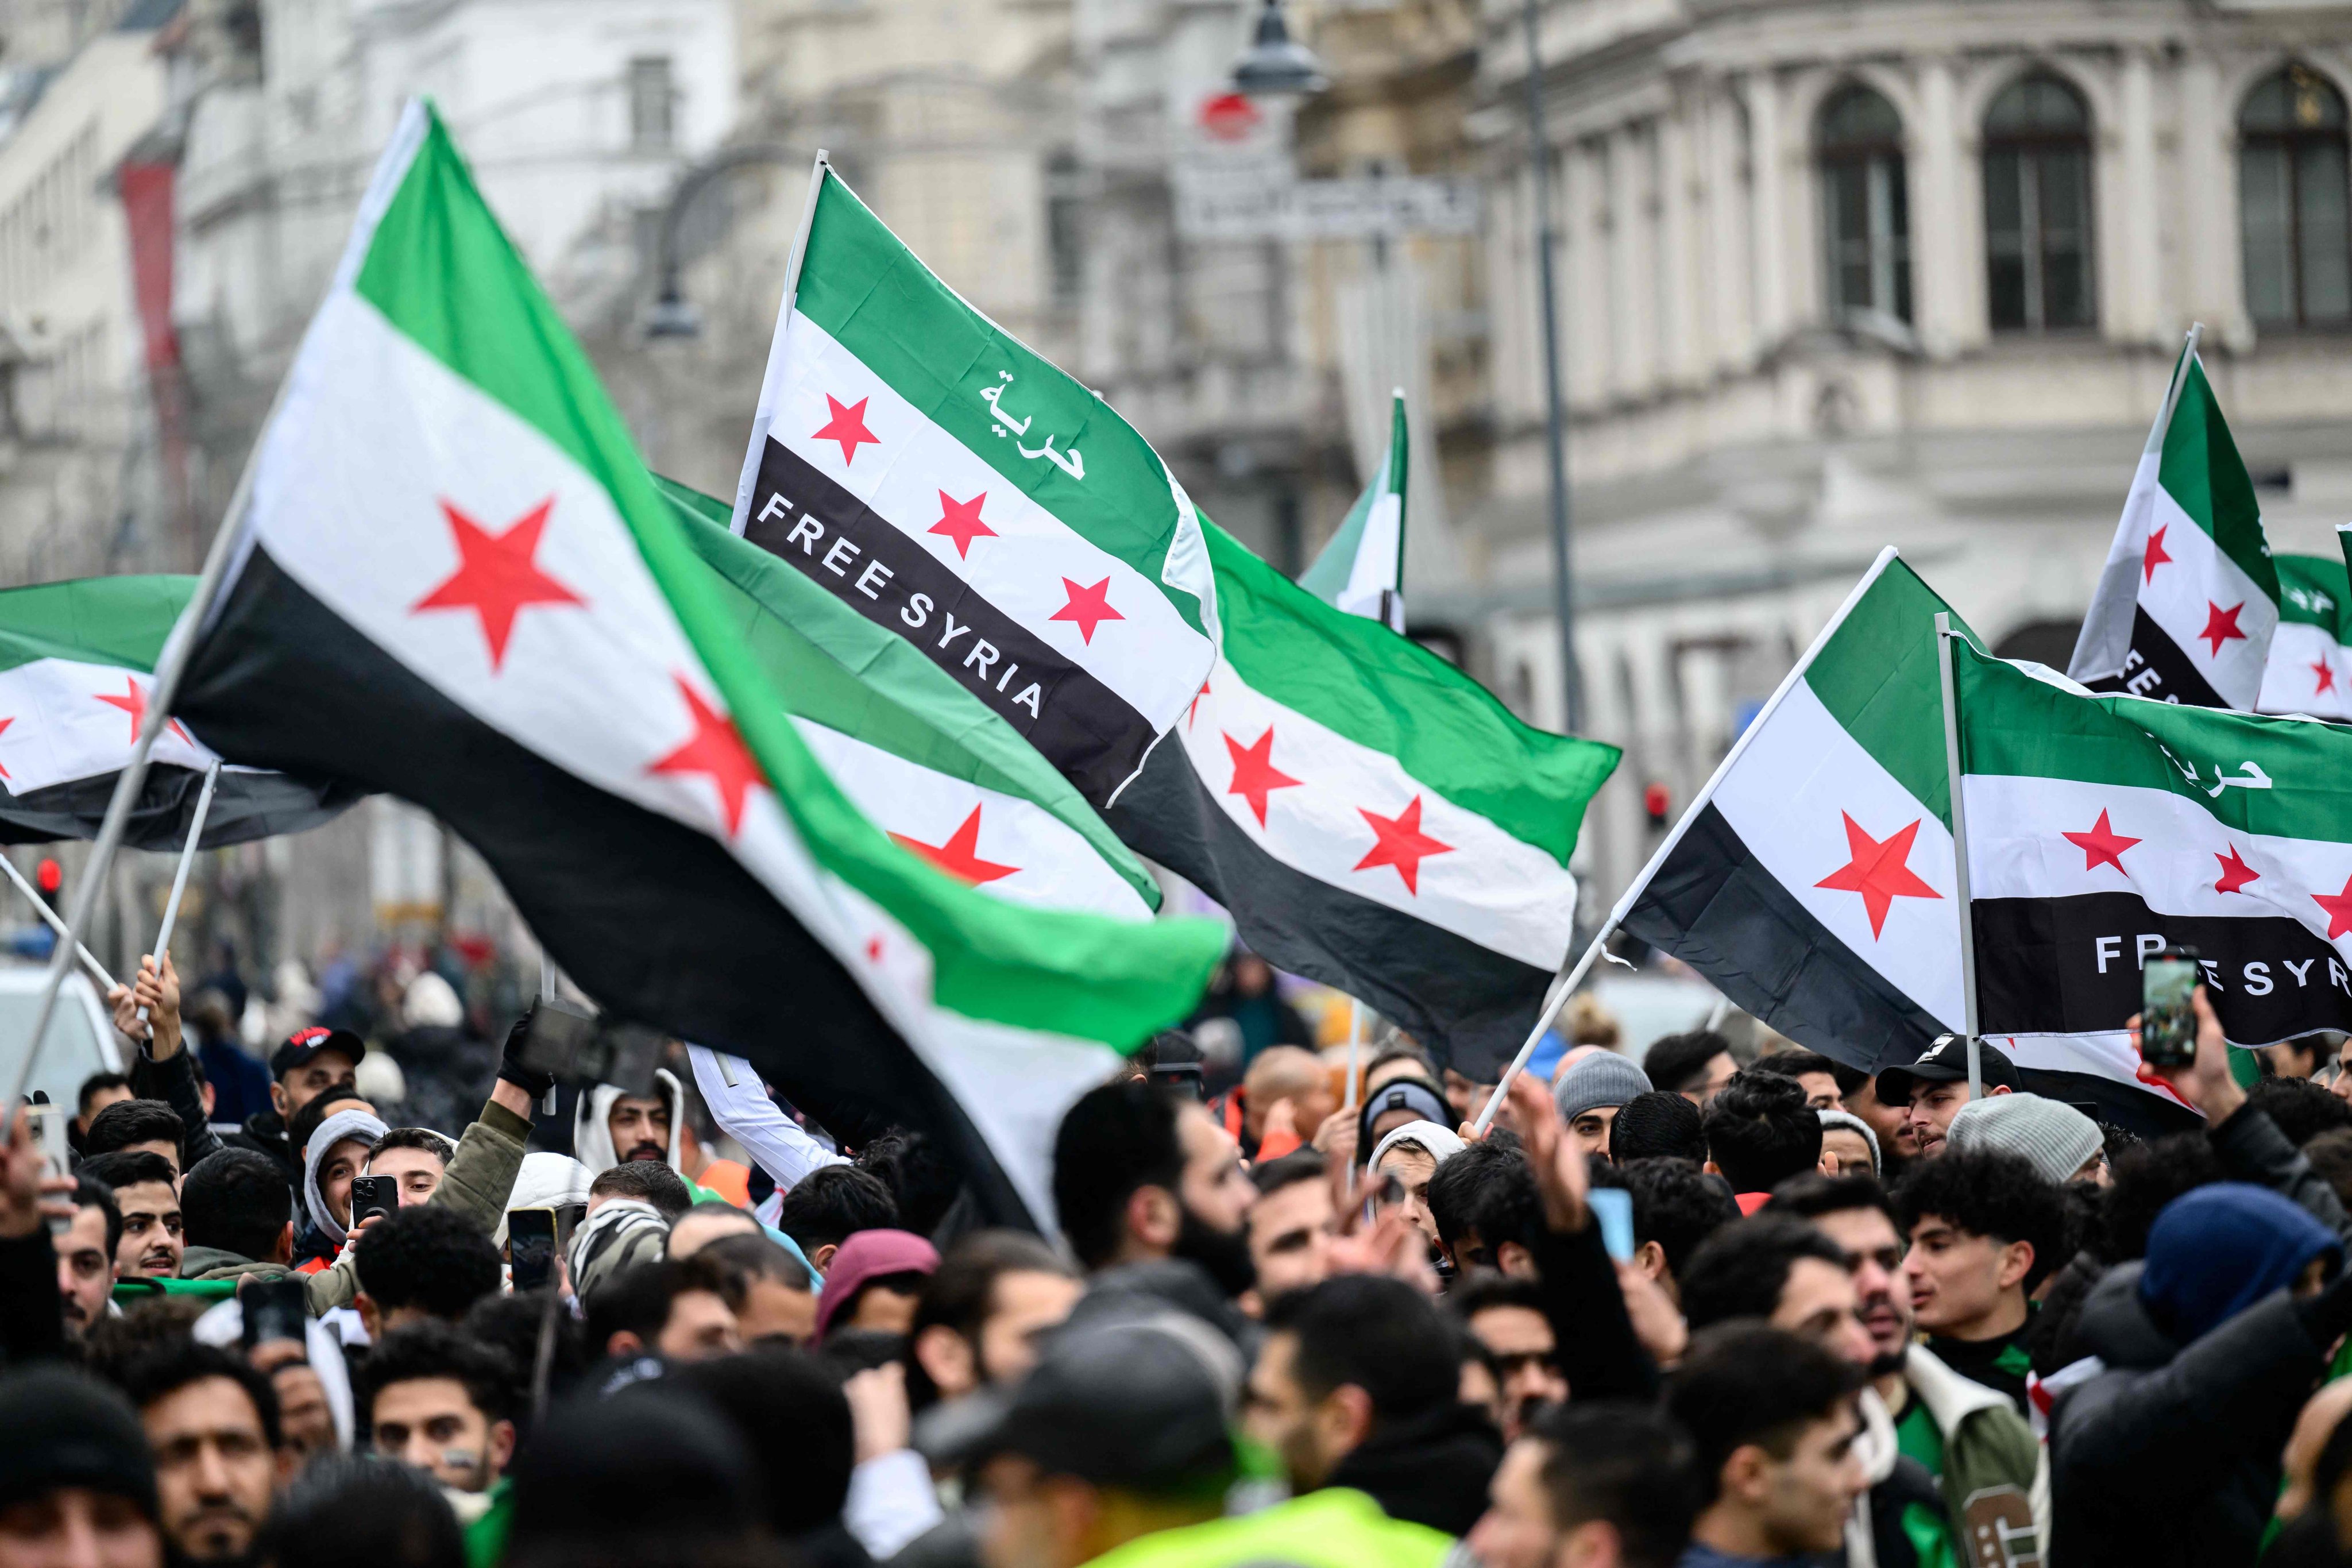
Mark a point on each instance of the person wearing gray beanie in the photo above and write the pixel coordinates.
(2050, 1135)
(1590, 1093)
(1841, 1132)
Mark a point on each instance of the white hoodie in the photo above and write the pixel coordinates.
(591, 1130)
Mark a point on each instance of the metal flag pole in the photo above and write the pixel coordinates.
(1355, 1048)
(1948, 641)
(179, 876)
(41, 907)
(2172, 389)
(1565, 984)
(766, 409)
(178, 650)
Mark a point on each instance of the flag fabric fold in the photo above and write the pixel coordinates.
(924, 467)
(1361, 568)
(2189, 599)
(455, 581)
(1816, 886)
(2102, 828)
(2310, 669)
(1372, 817)
(77, 659)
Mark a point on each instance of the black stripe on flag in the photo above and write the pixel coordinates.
(1467, 1002)
(2071, 965)
(2157, 667)
(2136, 1111)
(1084, 728)
(654, 921)
(248, 805)
(1715, 907)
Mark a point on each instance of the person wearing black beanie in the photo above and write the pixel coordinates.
(75, 1464)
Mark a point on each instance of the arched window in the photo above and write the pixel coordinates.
(2292, 199)
(1865, 211)
(2037, 184)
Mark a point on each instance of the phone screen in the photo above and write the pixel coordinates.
(2168, 1022)
(276, 1309)
(531, 1247)
(1613, 1208)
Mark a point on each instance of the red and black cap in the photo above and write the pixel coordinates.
(304, 1044)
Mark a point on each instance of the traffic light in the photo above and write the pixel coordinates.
(1658, 800)
(48, 876)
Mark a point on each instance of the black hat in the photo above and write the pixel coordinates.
(1946, 1062)
(1424, 1099)
(304, 1044)
(1141, 1401)
(68, 1430)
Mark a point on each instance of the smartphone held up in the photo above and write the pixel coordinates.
(2167, 1016)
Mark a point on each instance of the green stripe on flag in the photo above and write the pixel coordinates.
(1357, 678)
(2017, 725)
(2313, 592)
(95, 620)
(877, 300)
(1879, 678)
(440, 269)
(840, 669)
(2201, 471)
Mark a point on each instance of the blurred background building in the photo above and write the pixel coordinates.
(1831, 275)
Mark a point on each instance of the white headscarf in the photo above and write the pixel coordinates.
(1427, 1136)
(592, 1128)
(340, 1127)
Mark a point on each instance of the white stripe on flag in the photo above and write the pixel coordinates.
(2195, 591)
(62, 719)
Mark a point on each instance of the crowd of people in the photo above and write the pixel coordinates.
(1676, 1312)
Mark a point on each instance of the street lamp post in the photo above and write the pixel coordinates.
(1555, 434)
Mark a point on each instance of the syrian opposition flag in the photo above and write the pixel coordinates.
(1370, 816)
(1812, 882)
(77, 659)
(922, 757)
(920, 464)
(1362, 570)
(2310, 669)
(457, 583)
(2102, 828)
(2186, 606)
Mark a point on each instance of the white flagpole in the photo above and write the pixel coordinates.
(1946, 640)
(1563, 985)
(2172, 388)
(41, 905)
(1355, 1048)
(766, 410)
(187, 859)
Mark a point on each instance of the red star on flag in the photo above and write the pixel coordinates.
(2221, 625)
(848, 426)
(1255, 777)
(716, 751)
(2154, 556)
(133, 701)
(1879, 870)
(1401, 843)
(2324, 675)
(2339, 910)
(496, 577)
(1192, 709)
(3, 730)
(2235, 873)
(960, 521)
(960, 855)
(1089, 607)
(873, 950)
(2101, 846)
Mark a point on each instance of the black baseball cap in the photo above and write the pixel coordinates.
(1144, 1401)
(304, 1044)
(1946, 1062)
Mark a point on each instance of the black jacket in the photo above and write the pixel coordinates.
(1432, 1469)
(2171, 1454)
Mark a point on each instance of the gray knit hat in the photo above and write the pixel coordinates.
(1852, 1123)
(2050, 1135)
(1600, 1080)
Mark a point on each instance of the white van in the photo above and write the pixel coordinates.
(80, 1040)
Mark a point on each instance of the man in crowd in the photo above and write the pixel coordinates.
(675, 1309)
(1676, 1206)
(1933, 1088)
(1141, 1176)
(234, 1208)
(79, 1487)
(1603, 1484)
(1760, 1132)
(1992, 1473)
(1483, 1202)
(98, 1091)
(613, 1127)
(1283, 1075)
(1506, 1315)
(1822, 1080)
(829, 1205)
(703, 1224)
(995, 1295)
(2057, 1140)
(143, 1126)
(765, 1287)
(1772, 1419)
(423, 1263)
(1402, 1164)
(440, 1403)
(1696, 1065)
(1292, 1225)
(85, 1248)
(148, 1197)
(1590, 1094)
(1984, 1230)
(212, 1426)
(1660, 1124)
